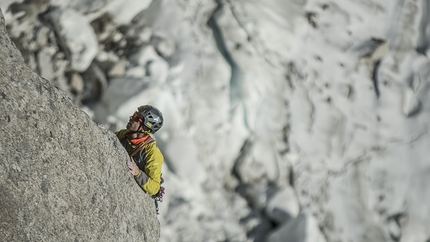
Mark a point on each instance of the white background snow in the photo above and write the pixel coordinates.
(285, 120)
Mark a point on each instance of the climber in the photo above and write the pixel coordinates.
(145, 158)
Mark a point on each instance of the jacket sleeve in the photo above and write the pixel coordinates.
(153, 169)
(141, 178)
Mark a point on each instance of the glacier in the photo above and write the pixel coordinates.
(285, 120)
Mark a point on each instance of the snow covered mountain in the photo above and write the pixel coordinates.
(285, 120)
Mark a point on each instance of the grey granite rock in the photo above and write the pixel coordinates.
(62, 177)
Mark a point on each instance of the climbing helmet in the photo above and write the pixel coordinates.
(152, 118)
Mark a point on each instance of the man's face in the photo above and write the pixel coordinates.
(133, 122)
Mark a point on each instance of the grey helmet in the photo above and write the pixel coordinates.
(152, 118)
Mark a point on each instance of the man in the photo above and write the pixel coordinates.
(145, 158)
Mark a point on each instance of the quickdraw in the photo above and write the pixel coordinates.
(159, 196)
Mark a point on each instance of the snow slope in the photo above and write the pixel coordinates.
(285, 120)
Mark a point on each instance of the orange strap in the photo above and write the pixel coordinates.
(147, 141)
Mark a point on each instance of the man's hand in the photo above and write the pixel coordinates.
(134, 169)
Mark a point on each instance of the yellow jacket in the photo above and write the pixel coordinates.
(149, 160)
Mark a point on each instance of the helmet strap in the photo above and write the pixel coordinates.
(145, 131)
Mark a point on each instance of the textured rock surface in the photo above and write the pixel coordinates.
(61, 176)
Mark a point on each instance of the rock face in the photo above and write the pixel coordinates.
(62, 177)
